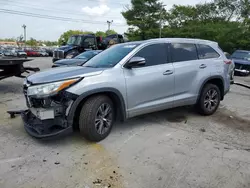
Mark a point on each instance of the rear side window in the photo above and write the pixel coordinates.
(183, 52)
(206, 52)
(154, 54)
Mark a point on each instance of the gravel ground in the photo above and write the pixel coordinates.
(170, 149)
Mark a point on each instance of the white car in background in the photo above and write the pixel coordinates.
(43, 54)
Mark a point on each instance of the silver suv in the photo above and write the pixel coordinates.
(124, 81)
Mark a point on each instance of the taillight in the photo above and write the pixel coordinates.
(228, 62)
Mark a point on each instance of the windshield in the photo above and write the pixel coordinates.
(74, 40)
(86, 55)
(111, 56)
(241, 55)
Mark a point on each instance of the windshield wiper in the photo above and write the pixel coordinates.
(89, 66)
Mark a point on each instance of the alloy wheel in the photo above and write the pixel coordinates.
(211, 100)
(103, 119)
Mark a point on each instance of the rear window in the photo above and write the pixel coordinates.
(206, 52)
(183, 52)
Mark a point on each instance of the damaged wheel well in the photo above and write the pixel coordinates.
(119, 105)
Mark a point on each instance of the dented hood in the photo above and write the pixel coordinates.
(63, 73)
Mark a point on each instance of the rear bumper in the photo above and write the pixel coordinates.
(42, 129)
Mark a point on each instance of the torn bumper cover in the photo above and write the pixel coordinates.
(44, 128)
(47, 117)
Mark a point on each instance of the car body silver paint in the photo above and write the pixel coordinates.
(147, 89)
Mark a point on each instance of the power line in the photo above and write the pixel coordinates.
(119, 3)
(53, 17)
(23, 5)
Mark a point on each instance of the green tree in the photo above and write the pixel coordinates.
(110, 32)
(32, 42)
(65, 36)
(144, 17)
(100, 33)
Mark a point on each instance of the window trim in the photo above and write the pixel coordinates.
(171, 54)
(144, 46)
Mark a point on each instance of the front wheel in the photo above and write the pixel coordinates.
(96, 118)
(209, 99)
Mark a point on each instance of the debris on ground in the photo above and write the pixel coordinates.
(57, 163)
(97, 182)
(44, 160)
(203, 130)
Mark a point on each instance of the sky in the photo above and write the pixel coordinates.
(88, 15)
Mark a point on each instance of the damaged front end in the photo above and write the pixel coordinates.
(47, 113)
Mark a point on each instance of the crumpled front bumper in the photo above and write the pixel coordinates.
(45, 128)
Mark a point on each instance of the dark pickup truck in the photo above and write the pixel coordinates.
(80, 43)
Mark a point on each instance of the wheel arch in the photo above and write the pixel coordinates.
(112, 93)
(216, 80)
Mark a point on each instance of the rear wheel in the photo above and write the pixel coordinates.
(96, 118)
(209, 99)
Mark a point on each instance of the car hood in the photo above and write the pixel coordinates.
(63, 73)
(66, 48)
(241, 61)
(70, 61)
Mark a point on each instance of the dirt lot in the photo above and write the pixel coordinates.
(170, 149)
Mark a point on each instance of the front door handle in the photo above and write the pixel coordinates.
(203, 66)
(168, 72)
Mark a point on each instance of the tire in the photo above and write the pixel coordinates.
(205, 100)
(90, 113)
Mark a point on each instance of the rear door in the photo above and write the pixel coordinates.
(150, 88)
(189, 70)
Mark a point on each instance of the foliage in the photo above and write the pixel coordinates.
(8, 40)
(224, 21)
(100, 33)
(32, 42)
(110, 32)
(143, 17)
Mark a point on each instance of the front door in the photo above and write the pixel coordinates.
(151, 87)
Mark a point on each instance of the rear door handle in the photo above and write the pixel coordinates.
(203, 66)
(168, 72)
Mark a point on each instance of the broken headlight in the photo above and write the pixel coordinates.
(49, 89)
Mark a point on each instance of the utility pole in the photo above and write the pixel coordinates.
(24, 31)
(161, 20)
(109, 23)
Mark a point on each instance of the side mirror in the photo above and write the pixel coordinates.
(136, 62)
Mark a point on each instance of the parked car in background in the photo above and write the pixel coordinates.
(241, 59)
(32, 53)
(21, 53)
(78, 60)
(1, 53)
(11, 53)
(231, 67)
(124, 81)
(43, 53)
(50, 52)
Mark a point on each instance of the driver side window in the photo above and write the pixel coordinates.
(154, 54)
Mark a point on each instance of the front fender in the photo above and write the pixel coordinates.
(82, 97)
